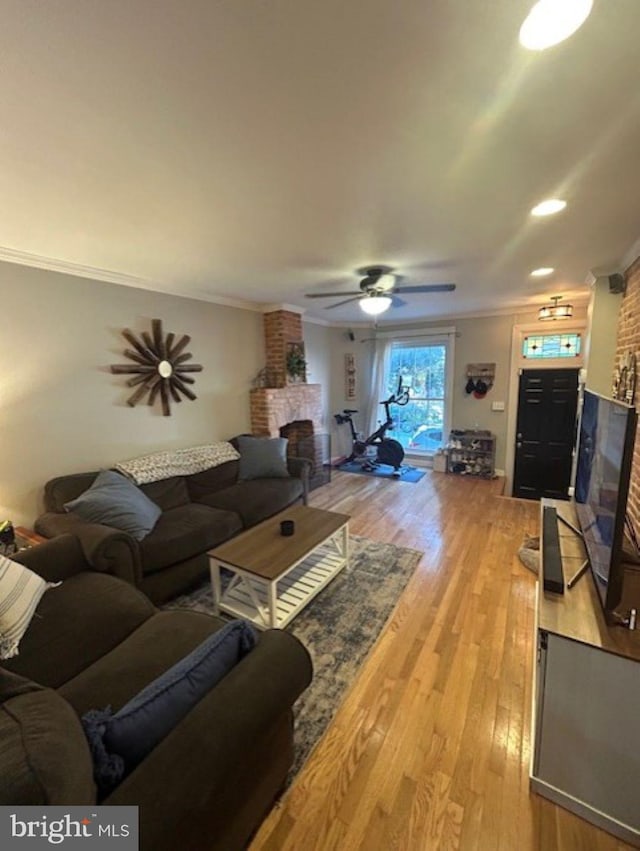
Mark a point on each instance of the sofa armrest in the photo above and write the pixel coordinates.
(106, 549)
(54, 560)
(208, 748)
(300, 468)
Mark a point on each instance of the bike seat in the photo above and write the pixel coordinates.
(349, 411)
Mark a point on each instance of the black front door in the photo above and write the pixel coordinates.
(545, 433)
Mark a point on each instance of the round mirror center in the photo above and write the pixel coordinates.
(165, 369)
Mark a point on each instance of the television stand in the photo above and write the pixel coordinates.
(586, 691)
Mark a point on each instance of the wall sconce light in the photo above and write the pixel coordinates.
(555, 310)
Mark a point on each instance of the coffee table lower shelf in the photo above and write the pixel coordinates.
(274, 603)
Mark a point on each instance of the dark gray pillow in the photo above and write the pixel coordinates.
(262, 457)
(115, 501)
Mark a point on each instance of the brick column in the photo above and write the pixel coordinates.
(629, 341)
(281, 328)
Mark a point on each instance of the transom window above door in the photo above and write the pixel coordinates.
(547, 346)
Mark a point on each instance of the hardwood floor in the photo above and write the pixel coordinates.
(430, 749)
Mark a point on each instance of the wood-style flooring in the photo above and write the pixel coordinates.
(430, 749)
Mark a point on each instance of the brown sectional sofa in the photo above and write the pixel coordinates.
(95, 640)
(199, 512)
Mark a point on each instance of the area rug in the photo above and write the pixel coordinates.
(385, 471)
(338, 627)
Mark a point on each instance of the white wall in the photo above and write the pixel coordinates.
(600, 354)
(61, 409)
(317, 344)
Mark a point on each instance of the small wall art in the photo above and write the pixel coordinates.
(350, 376)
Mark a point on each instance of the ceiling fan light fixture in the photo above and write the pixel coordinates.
(551, 21)
(550, 312)
(374, 305)
(386, 282)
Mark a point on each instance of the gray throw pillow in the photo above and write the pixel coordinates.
(115, 501)
(262, 457)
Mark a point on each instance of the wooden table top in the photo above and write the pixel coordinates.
(263, 551)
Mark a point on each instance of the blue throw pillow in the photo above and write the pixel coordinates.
(115, 501)
(262, 458)
(119, 742)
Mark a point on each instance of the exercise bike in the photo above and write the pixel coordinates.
(388, 450)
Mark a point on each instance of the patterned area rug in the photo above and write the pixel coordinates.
(338, 627)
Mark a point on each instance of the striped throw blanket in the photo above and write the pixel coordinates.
(176, 462)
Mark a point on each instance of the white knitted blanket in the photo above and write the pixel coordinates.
(176, 462)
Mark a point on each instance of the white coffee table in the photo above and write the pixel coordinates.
(275, 577)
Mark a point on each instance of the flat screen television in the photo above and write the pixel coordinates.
(603, 470)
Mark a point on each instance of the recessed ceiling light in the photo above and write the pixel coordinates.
(548, 207)
(542, 272)
(551, 21)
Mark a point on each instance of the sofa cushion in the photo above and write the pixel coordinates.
(256, 500)
(156, 645)
(143, 722)
(20, 593)
(115, 501)
(215, 479)
(169, 493)
(45, 757)
(184, 532)
(262, 457)
(75, 625)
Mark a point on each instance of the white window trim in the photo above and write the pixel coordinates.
(443, 336)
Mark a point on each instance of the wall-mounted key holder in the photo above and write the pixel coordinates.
(480, 378)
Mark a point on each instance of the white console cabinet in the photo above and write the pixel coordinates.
(586, 701)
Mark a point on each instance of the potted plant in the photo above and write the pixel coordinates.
(296, 362)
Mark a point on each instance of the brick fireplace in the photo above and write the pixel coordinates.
(290, 409)
(273, 407)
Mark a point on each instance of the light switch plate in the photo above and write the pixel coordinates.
(497, 406)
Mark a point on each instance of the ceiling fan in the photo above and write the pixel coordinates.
(378, 291)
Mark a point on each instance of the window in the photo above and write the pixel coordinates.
(542, 346)
(421, 426)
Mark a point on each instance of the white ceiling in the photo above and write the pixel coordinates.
(256, 150)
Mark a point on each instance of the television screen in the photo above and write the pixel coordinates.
(607, 434)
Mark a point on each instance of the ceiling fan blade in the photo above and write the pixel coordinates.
(427, 288)
(396, 301)
(333, 295)
(340, 303)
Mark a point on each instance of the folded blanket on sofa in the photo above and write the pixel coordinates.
(176, 462)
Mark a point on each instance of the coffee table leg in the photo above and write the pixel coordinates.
(214, 568)
(273, 604)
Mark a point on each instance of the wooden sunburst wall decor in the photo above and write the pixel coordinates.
(159, 366)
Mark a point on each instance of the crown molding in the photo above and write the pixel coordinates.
(95, 273)
(291, 308)
(66, 267)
